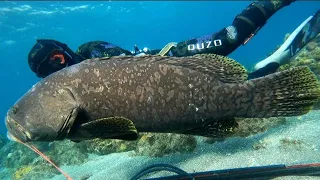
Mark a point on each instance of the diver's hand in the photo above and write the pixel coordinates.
(268, 69)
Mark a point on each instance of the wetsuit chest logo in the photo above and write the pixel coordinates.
(204, 45)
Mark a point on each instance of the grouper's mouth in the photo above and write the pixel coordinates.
(11, 137)
(16, 132)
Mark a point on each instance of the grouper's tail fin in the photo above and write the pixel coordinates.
(287, 93)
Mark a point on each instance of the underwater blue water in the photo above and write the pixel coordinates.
(150, 24)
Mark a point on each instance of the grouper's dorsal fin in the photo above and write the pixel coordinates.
(223, 68)
(107, 128)
(216, 128)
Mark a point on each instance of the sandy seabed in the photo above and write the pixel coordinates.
(295, 143)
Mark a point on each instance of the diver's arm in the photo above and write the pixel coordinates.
(99, 49)
(244, 26)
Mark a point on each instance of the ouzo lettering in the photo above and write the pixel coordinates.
(204, 45)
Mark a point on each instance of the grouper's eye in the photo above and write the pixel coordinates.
(14, 110)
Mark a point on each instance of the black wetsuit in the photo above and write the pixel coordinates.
(244, 26)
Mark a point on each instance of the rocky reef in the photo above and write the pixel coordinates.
(252, 126)
(106, 146)
(22, 163)
(158, 145)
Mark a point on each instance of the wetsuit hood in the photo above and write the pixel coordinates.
(41, 58)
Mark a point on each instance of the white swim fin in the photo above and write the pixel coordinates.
(298, 39)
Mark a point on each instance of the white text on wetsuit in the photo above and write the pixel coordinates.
(204, 45)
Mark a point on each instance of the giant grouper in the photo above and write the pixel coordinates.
(118, 97)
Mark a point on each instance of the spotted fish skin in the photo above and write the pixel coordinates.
(120, 96)
(157, 97)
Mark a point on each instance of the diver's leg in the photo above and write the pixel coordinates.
(244, 26)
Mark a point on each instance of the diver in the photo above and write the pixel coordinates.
(48, 56)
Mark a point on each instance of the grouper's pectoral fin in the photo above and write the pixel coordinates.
(216, 128)
(107, 128)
